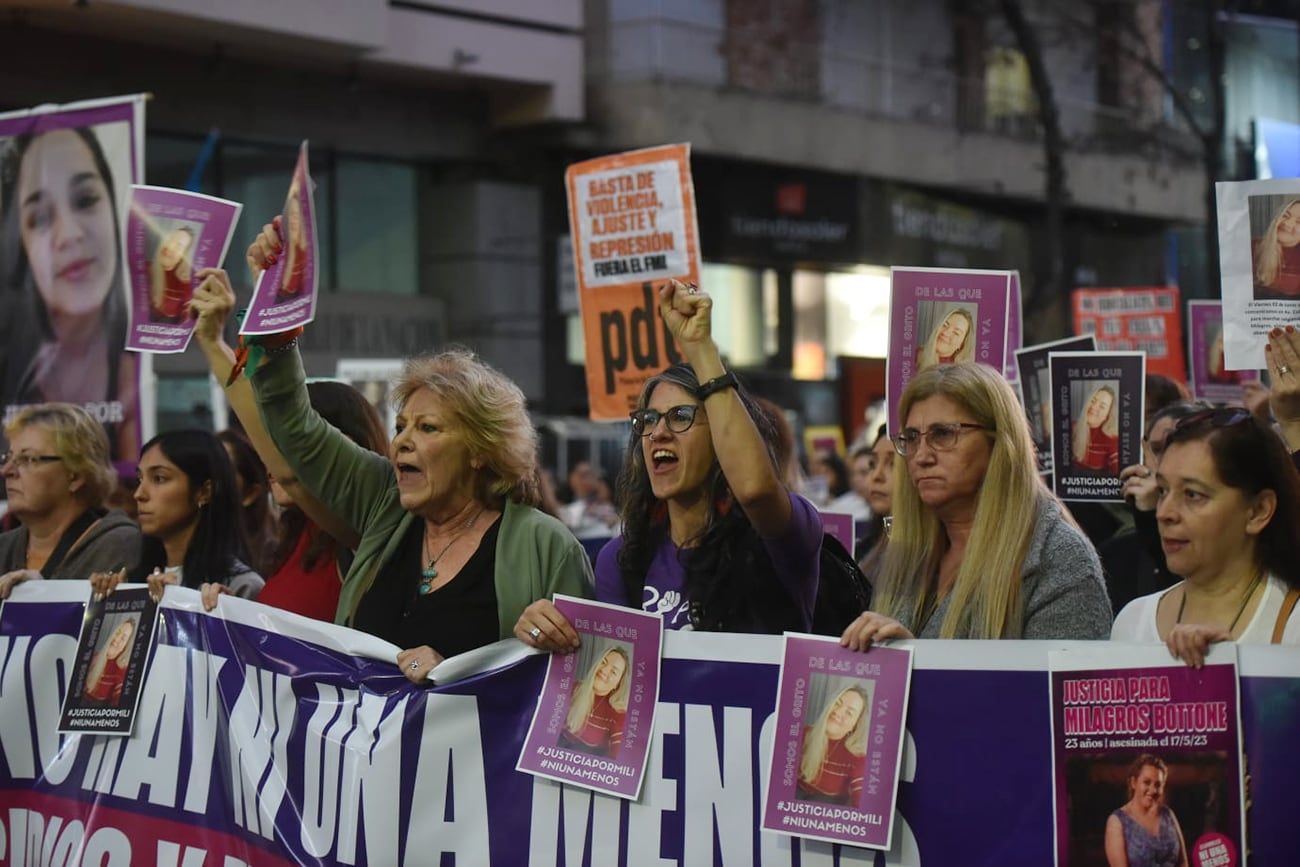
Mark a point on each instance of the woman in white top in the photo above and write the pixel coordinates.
(1229, 517)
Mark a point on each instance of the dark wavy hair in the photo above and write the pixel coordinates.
(1249, 456)
(258, 522)
(729, 580)
(217, 550)
(346, 409)
(29, 308)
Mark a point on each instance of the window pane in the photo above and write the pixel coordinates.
(170, 160)
(377, 226)
(738, 326)
(857, 312)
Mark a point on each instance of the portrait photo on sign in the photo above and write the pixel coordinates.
(1141, 808)
(833, 752)
(171, 247)
(1275, 245)
(63, 298)
(1095, 430)
(112, 657)
(948, 331)
(296, 251)
(597, 710)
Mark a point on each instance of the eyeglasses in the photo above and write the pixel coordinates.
(24, 460)
(678, 418)
(940, 437)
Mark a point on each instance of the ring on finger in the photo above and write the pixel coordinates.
(1282, 368)
(534, 633)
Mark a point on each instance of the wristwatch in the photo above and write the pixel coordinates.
(717, 384)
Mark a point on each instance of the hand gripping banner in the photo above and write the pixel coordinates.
(264, 738)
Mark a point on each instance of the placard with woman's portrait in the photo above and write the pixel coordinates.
(65, 176)
(286, 292)
(108, 669)
(1146, 758)
(943, 316)
(595, 714)
(1097, 407)
(1259, 263)
(172, 235)
(1036, 390)
(839, 740)
(1208, 375)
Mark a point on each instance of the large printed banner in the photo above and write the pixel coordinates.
(264, 738)
(1140, 319)
(633, 222)
(65, 183)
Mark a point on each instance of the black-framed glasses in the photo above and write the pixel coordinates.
(940, 437)
(678, 418)
(23, 460)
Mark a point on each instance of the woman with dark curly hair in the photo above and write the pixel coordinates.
(712, 539)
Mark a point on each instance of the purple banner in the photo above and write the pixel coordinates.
(1147, 756)
(1097, 400)
(67, 173)
(286, 292)
(596, 711)
(270, 739)
(1208, 375)
(171, 236)
(943, 316)
(839, 740)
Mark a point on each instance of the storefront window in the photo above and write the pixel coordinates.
(839, 313)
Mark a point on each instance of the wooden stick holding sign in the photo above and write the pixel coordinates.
(632, 217)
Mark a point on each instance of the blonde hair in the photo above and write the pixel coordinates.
(584, 694)
(986, 597)
(1110, 426)
(184, 268)
(79, 440)
(929, 356)
(492, 415)
(1268, 263)
(816, 742)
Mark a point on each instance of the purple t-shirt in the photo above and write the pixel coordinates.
(795, 554)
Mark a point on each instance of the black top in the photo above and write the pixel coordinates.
(459, 616)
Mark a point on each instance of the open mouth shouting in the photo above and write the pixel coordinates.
(662, 460)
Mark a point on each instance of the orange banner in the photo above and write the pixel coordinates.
(1147, 319)
(632, 217)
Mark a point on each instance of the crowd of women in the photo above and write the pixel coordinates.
(434, 540)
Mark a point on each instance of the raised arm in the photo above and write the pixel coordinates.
(213, 301)
(740, 448)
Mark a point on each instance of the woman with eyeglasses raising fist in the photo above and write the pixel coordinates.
(1228, 509)
(978, 547)
(712, 539)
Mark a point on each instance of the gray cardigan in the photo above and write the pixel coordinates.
(111, 543)
(1064, 591)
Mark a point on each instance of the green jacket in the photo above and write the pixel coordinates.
(536, 555)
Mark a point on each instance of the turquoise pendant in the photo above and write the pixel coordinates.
(426, 579)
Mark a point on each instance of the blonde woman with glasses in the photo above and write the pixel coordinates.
(978, 547)
(57, 477)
